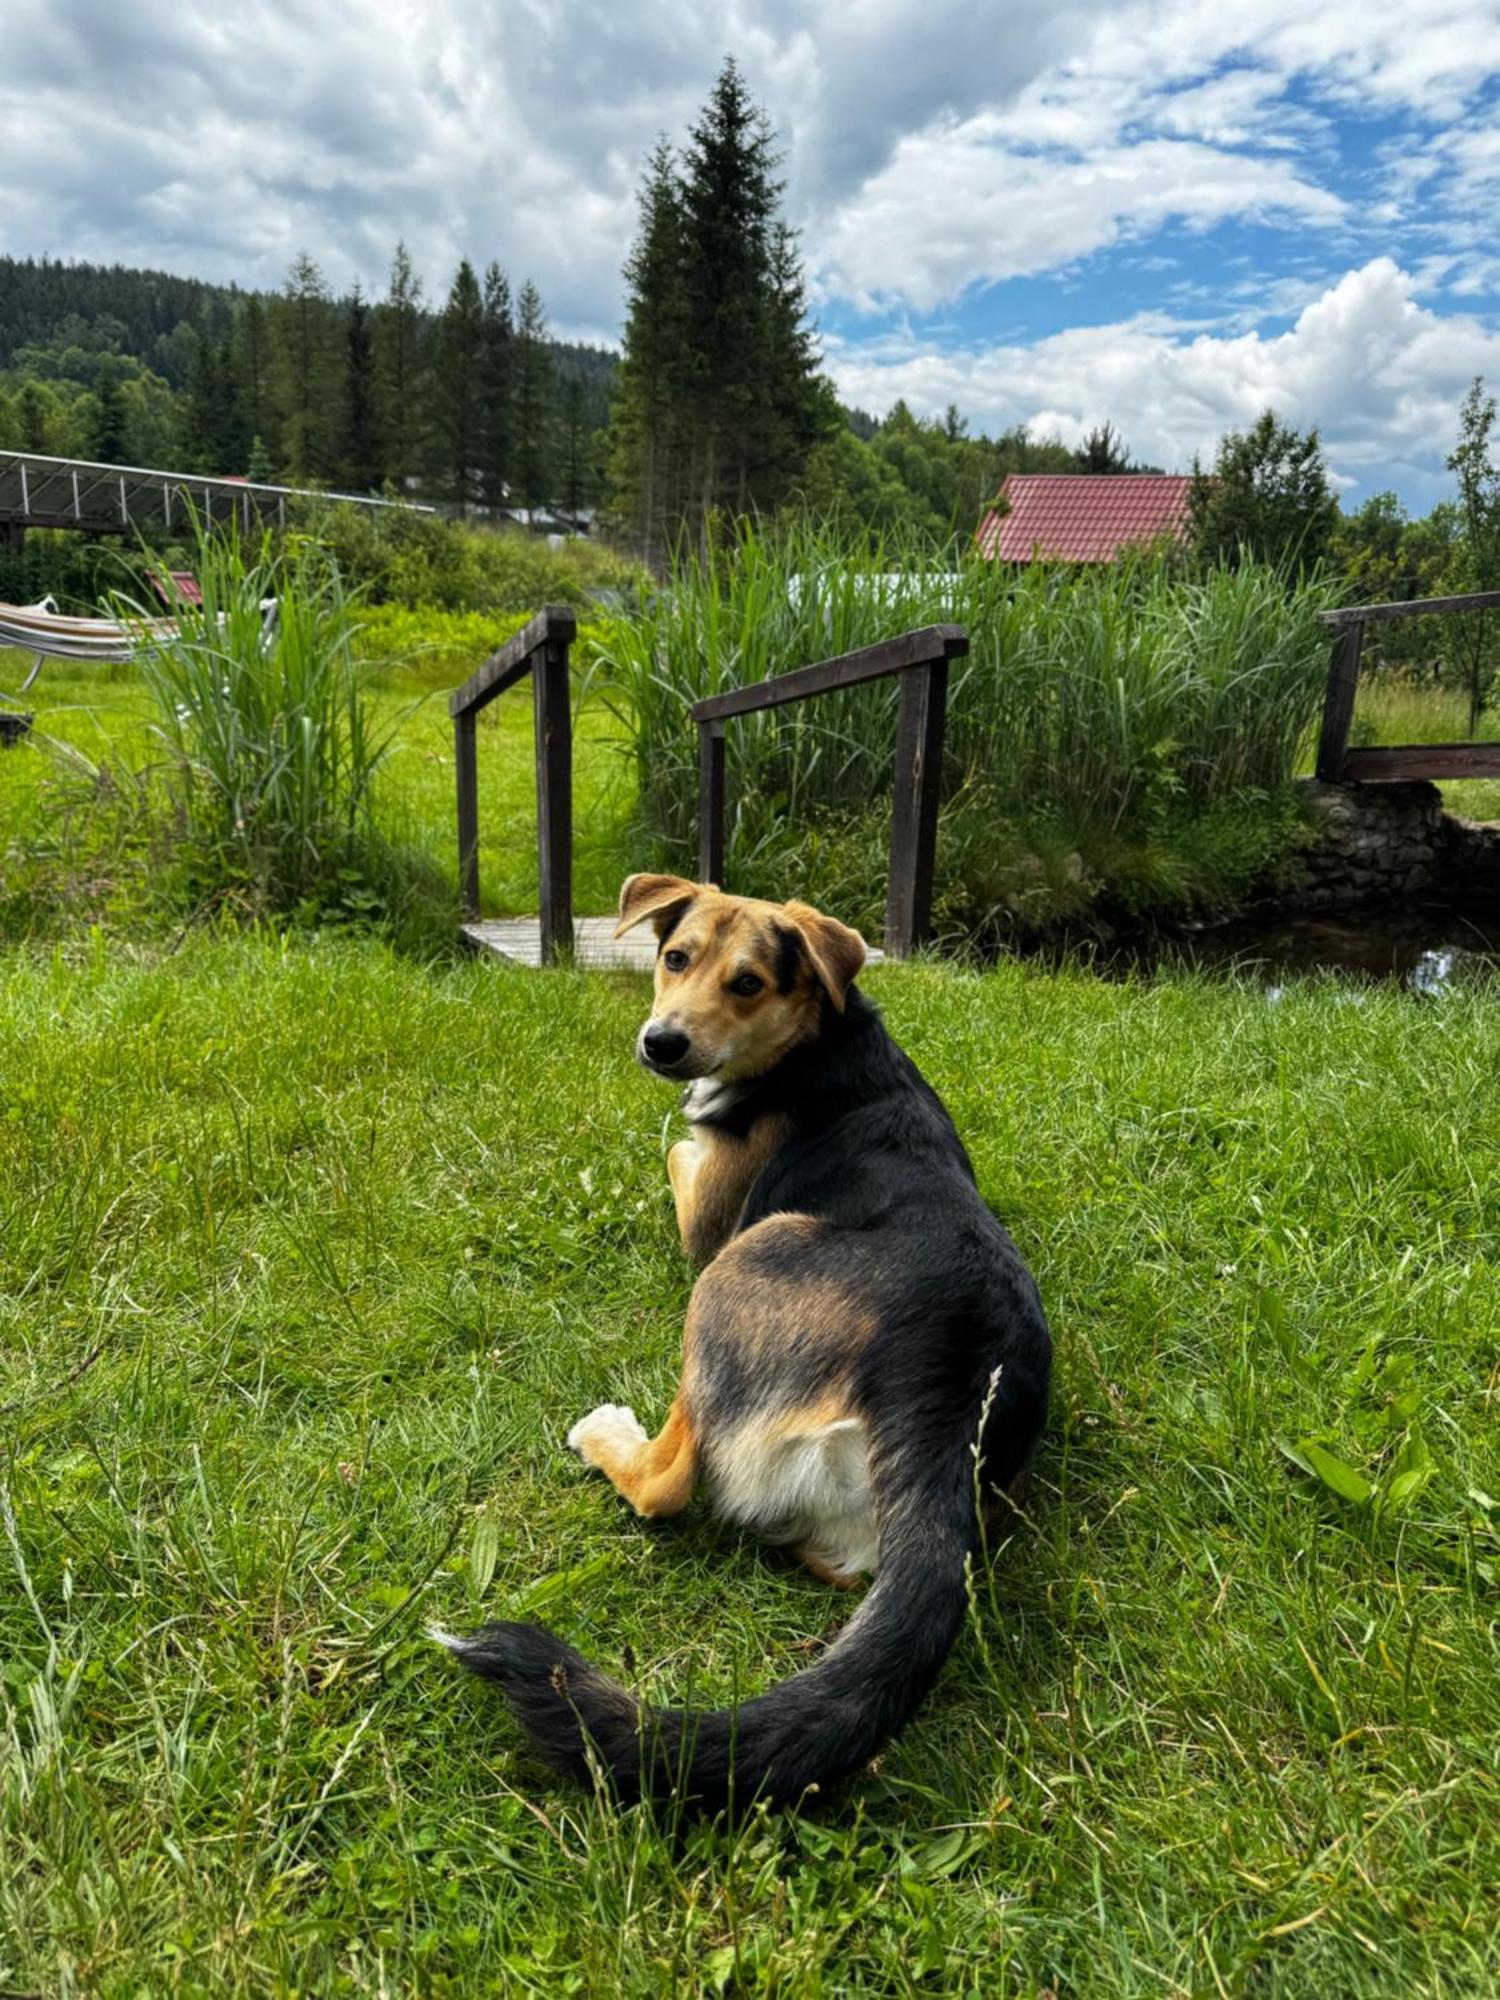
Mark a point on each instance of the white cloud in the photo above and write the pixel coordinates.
(932, 147)
(1380, 374)
(959, 206)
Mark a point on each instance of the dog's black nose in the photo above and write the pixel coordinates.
(664, 1045)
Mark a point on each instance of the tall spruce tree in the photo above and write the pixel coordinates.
(213, 427)
(251, 347)
(359, 454)
(456, 384)
(307, 369)
(648, 421)
(533, 403)
(402, 370)
(497, 389)
(719, 402)
(108, 419)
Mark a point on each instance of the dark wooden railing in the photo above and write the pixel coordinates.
(921, 658)
(1390, 763)
(540, 649)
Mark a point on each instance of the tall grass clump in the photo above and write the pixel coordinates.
(271, 747)
(1130, 730)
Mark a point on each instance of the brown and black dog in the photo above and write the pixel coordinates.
(860, 1314)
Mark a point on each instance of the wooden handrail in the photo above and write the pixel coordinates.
(540, 648)
(921, 658)
(1390, 763)
(505, 666)
(1413, 607)
(870, 663)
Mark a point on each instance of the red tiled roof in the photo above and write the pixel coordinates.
(1083, 516)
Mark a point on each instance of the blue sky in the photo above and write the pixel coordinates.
(1169, 213)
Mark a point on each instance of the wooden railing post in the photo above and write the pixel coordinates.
(919, 760)
(540, 649)
(1338, 701)
(711, 802)
(466, 770)
(554, 796)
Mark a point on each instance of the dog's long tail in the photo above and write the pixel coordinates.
(820, 1726)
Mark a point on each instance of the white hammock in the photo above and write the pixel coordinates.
(41, 629)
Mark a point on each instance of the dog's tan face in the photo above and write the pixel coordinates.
(738, 982)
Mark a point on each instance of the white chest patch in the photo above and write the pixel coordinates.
(705, 1098)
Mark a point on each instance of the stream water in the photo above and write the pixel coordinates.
(1425, 950)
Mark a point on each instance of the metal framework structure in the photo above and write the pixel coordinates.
(37, 491)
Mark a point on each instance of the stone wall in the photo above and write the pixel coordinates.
(1389, 844)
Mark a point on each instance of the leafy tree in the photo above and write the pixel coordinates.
(533, 402)
(360, 463)
(1267, 498)
(306, 371)
(43, 421)
(1476, 564)
(456, 387)
(497, 388)
(402, 368)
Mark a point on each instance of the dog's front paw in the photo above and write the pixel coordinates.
(610, 1427)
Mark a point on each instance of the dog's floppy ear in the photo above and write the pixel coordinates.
(643, 896)
(836, 952)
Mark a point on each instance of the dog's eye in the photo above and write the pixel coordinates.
(746, 984)
(675, 961)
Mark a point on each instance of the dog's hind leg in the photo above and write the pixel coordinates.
(656, 1475)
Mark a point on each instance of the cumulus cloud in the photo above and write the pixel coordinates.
(958, 206)
(1379, 373)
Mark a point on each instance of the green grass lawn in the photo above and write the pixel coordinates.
(103, 712)
(309, 1255)
(1392, 710)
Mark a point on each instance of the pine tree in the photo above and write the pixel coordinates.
(496, 389)
(1103, 450)
(647, 421)
(260, 469)
(533, 405)
(308, 372)
(213, 429)
(402, 370)
(576, 488)
(107, 425)
(360, 447)
(795, 401)
(456, 388)
(719, 403)
(251, 347)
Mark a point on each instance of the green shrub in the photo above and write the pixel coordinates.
(1099, 714)
(270, 746)
(398, 556)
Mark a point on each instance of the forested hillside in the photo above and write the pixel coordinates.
(464, 398)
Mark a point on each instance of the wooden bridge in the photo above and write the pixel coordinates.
(541, 649)
(920, 658)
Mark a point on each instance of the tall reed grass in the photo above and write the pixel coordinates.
(269, 737)
(1099, 718)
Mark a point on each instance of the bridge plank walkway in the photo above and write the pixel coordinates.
(519, 939)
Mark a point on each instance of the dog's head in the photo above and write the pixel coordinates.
(738, 982)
